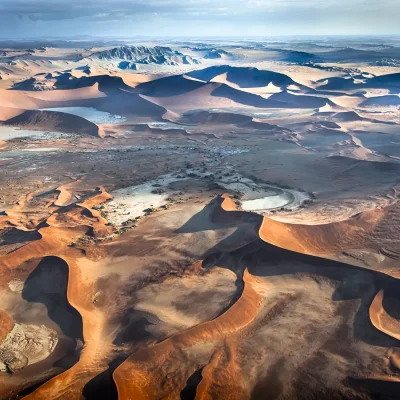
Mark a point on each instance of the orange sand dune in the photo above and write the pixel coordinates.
(381, 319)
(319, 239)
(54, 240)
(243, 77)
(64, 196)
(66, 193)
(133, 79)
(82, 214)
(223, 367)
(18, 217)
(169, 86)
(6, 324)
(70, 384)
(106, 83)
(368, 230)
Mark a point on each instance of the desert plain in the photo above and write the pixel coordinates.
(200, 219)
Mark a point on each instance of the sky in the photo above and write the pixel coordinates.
(188, 18)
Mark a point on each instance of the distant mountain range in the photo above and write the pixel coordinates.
(145, 55)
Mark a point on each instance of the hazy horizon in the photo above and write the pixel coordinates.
(287, 37)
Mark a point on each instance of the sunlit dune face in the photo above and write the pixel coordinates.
(6, 324)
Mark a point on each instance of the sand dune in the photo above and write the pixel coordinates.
(347, 116)
(169, 86)
(245, 98)
(131, 104)
(222, 368)
(329, 240)
(381, 319)
(347, 101)
(240, 121)
(54, 121)
(63, 230)
(60, 95)
(200, 98)
(300, 101)
(382, 101)
(213, 95)
(19, 100)
(243, 77)
(389, 81)
(104, 83)
(9, 112)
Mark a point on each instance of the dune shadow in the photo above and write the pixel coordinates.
(198, 222)
(189, 391)
(391, 301)
(47, 284)
(103, 385)
(15, 236)
(134, 326)
(212, 216)
(377, 389)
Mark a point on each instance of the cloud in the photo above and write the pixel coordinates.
(240, 15)
(60, 9)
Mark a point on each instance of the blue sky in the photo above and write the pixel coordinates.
(33, 18)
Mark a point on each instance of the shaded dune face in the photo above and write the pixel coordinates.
(47, 284)
(170, 86)
(54, 121)
(242, 76)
